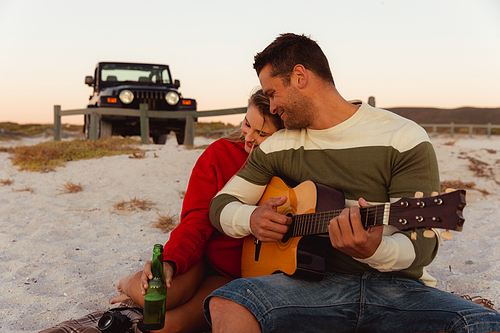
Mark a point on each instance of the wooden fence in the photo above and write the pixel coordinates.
(454, 127)
(4, 132)
(144, 114)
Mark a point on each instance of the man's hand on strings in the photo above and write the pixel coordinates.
(348, 235)
(266, 224)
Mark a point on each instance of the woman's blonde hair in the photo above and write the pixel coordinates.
(261, 102)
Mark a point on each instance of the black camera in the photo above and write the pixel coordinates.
(114, 322)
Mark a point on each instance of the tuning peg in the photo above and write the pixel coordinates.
(429, 233)
(413, 235)
(447, 235)
(448, 190)
(419, 194)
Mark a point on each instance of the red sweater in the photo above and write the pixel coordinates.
(195, 234)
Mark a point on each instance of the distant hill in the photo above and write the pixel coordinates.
(464, 115)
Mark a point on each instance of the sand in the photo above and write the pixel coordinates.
(61, 255)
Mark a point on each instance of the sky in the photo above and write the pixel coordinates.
(428, 53)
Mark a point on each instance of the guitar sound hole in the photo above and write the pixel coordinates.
(288, 234)
(285, 238)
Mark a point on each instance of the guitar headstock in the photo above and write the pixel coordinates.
(443, 211)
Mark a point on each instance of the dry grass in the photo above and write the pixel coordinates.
(6, 182)
(34, 129)
(197, 147)
(47, 156)
(138, 155)
(166, 223)
(134, 204)
(457, 184)
(480, 168)
(6, 150)
(69, 187)
(449, 143)
(25, 189)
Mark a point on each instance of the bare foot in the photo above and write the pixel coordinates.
(122, 287)
(119, 299)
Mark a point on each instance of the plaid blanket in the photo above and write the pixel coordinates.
(88, 323)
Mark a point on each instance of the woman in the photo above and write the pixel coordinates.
(197, 258)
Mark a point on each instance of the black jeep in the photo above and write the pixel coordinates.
(127, 85)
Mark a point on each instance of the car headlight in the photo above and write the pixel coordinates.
(126, 96)
(172, 98)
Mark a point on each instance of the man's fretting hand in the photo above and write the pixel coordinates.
(348, 235)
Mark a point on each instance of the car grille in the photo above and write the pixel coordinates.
(153, 98)
(149, 94)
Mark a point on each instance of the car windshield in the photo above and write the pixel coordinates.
(144, 74)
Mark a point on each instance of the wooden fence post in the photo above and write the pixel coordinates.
(371, 101)
(94, 135)
(189, 131)
(489, 130)
(452, 128)
(57, 123)
(144, 123)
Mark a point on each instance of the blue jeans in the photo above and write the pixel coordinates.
(367, 302)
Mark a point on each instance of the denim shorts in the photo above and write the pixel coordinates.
(366, 302)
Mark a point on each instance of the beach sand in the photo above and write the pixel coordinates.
(61, 255)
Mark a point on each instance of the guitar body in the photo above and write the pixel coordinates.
(301, 256)
(312, 206)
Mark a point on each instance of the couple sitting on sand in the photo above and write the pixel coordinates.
(375, 278)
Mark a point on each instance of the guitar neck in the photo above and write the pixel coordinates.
(317, 223)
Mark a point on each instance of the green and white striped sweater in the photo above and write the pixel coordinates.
(375, 154)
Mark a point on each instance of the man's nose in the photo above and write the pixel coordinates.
(273, 108)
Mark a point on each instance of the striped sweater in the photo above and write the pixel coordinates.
(375, 154)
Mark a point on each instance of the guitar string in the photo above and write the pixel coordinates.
(316, 223)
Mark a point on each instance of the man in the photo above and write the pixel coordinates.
(376, 279)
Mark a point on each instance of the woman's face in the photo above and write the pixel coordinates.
(254, 129)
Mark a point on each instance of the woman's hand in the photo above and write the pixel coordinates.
(168, 270)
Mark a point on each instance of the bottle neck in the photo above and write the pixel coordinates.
(157, 265)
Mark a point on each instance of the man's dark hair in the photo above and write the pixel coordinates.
(289, 50)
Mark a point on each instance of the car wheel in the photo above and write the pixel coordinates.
(179, 134)
(160, 139)
(105, 129)
(86, 126)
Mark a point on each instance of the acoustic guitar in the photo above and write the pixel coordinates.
(312, 206)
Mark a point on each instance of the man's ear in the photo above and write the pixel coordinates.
(300, 75)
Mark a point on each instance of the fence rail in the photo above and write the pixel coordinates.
(453, 127)
(4, 132)
(144, 115)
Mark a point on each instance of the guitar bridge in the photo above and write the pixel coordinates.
(258, 245)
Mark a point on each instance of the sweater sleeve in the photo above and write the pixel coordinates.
(415, 170)
(220, 161)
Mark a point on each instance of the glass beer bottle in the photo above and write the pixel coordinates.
(156, 294)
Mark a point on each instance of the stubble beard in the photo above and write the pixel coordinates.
(298, 111)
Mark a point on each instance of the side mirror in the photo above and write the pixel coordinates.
(177, 84)
(89, 80)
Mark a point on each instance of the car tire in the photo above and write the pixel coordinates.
(179, 134)
(160, 139)
(105, 129)
(86, 126)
